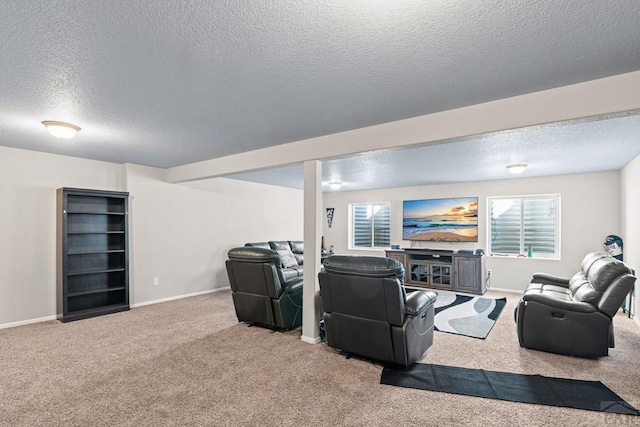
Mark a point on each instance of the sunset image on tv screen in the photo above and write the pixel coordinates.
(443, 220)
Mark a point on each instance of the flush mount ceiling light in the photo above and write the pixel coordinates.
(335, 185)
(61, 129)
(517, 168)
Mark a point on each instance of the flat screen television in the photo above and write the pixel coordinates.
(441, 220)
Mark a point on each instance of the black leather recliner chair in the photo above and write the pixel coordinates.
(574, 316)
(261, 295)
(368, 313)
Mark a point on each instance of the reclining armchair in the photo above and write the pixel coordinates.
(260, 292)
(574, 316)
(367, 312)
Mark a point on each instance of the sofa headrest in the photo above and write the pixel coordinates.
(602, 273)
(364, 266)
(254, 254)
(589, 259)
(297, 247)
(264, 245)
(279, 245)
(604, 270)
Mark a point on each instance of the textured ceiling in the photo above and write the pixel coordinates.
(166, 83)
(557, 149)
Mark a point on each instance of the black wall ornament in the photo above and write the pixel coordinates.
(330, 216)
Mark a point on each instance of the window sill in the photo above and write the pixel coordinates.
(368, 249)
(537, 258)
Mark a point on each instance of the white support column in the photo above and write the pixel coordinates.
(312, 240)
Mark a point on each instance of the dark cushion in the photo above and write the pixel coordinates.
(253, 254)
(298, 268)
(279, 245)
(263, 245)
(293, 285)
(589, 259)
(601, 274)
(289, 273)
(365, 266)
(297, 247)
(604, 270)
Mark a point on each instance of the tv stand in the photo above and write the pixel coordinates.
(450, 270)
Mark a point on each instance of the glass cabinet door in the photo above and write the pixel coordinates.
(419, 273)
(441, 275)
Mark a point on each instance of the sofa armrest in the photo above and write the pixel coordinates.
(419, 301)
(549, 279)
(292, 286)
(558, 303)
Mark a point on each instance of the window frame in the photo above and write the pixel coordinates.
(523, 253)
(352, 227)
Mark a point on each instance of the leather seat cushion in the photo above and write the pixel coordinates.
(547, 288)
(564, 296)
(289, 273)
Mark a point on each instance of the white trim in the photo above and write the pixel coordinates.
(28, 322)
(637, 320)
(310, 340)
(509, 291)
(454, 291)
(141, 304)
(158, 301)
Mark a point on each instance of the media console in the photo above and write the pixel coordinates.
(449, 270)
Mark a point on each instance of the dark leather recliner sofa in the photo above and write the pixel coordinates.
(292, 267)
(262, 292)
(574, 316)
(368, 313)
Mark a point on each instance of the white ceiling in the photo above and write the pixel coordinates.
(165, 83)
(555, 149)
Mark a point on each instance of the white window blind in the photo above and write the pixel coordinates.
(371, 225)
(517, 223)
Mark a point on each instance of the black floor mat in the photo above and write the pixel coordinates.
(590, 395)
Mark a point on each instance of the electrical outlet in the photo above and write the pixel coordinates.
(489, 272)
(156, 281)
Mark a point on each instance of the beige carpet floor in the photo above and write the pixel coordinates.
(188, 362)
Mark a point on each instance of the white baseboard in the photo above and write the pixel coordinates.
(637, 320)
(509, 291)
(27, 322)
(195, 294)
(310, 340)
(141, 304)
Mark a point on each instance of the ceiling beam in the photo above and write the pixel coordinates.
(604, 96)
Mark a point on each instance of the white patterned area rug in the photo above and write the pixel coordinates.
(467, 315)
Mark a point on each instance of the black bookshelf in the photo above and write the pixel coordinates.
(93, 262)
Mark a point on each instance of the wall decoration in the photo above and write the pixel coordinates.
(330, 216)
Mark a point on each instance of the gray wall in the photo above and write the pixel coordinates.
(179, 233)
(589, 212)
(630, 182)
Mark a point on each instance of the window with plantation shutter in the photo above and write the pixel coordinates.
(519, 223)
(370, 225)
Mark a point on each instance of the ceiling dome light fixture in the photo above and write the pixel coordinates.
(335, 185)
(517, 168)
(61, 129)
